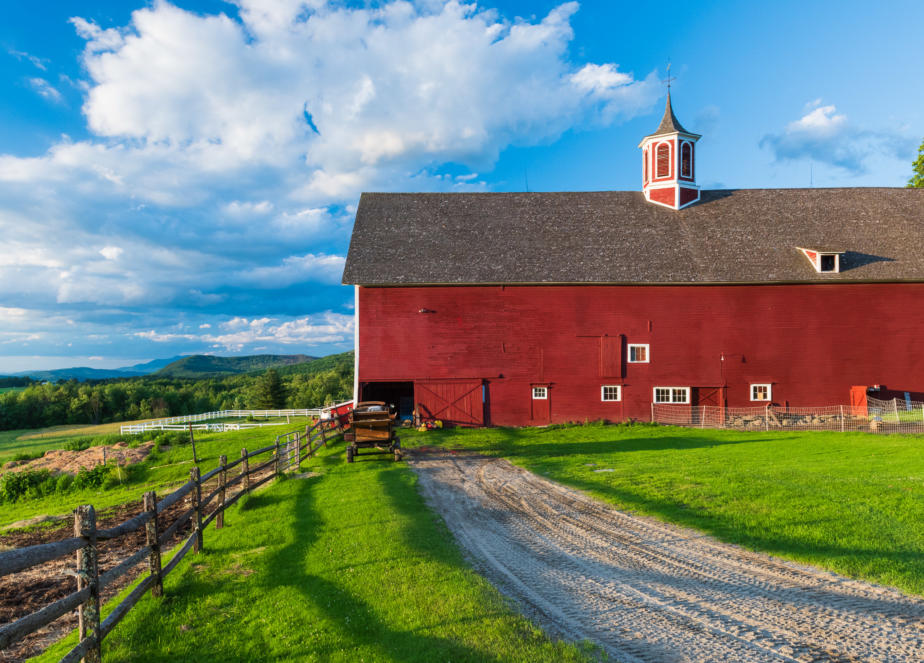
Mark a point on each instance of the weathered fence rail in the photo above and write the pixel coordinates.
(874, 416)
(286, 452)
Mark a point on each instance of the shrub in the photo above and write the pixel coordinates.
(27, 455)
(26, 484)
(90, 478)
(63, 484)
(76, 444)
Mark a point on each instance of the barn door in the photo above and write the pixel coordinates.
(455, 403)
(540, 399)
(710, 396)
(706, 407)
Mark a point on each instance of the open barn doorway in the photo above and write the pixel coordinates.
(398, 395)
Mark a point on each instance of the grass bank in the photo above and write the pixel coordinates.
(161, 471)
(852, 503)
(349, 565)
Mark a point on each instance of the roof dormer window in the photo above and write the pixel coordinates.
(824, 262)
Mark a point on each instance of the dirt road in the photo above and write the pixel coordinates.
(650, 592)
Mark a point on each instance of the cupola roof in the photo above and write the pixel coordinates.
(669, 123)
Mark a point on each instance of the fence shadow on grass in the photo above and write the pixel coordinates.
(361, 624)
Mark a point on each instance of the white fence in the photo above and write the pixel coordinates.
(182, 423)
(894, 416)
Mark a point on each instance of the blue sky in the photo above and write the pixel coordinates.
(181, 177)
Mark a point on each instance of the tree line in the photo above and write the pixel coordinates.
(308, 385)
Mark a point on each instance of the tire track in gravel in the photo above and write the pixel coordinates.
(651, 592)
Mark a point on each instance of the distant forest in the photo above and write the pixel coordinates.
(306, 385)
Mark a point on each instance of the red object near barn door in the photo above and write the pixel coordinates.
(454, 402)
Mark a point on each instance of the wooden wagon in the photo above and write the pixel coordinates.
(372, 428)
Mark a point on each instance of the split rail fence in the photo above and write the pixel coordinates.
(286, 452)
(877, 416)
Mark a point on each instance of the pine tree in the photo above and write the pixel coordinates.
(917, 169)
(270, 394)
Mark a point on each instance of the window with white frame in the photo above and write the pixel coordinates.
(611, 392)
(678, 395)
(638, 353)
(760, 392)
(540, 393)
(663, 161)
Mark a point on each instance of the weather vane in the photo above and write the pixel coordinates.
(669, 78)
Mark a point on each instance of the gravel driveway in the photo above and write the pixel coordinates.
(651, 592)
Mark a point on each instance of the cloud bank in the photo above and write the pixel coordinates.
(825, 136)
(228, 152)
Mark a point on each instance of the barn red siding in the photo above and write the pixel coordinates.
(688, 195)
(812, 342)
(667, 196)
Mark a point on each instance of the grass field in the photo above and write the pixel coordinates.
(3, 390)
(164, 470)
(852, 503)
(346, 566)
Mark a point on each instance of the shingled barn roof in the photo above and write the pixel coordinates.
(733, 236)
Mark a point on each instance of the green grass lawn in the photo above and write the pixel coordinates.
(3, 390)
(852, 503)
(162, 472)
(346, 566)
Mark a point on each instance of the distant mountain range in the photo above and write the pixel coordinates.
(190, 366)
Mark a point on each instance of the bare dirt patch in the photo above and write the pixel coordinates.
(31, 590)
(647, 591)
(71, 462)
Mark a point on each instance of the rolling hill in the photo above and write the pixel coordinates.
(206, 366)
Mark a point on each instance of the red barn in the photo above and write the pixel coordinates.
(531, 308)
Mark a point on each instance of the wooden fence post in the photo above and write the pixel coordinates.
(222, 480)
(150, 528)
(323, 434)
(88, 576)
(192, 440)
(278, 459)
(196, 496)
(245, 470)
(842, 419)
(298, 450)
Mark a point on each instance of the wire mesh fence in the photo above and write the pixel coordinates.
(877, 416)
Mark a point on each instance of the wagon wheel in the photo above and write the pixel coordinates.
(350, 454)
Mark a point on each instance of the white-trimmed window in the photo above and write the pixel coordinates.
(540, 393)
(824, 262)
(611, 392)
(677, 395)
(686, 160)
(761, 392)
(663, 160)
(638, 353)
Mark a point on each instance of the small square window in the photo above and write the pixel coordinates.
(675, 395)
(760, 392)
(828, 263)
(638, 353)
(611, 392)
(540, 393)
